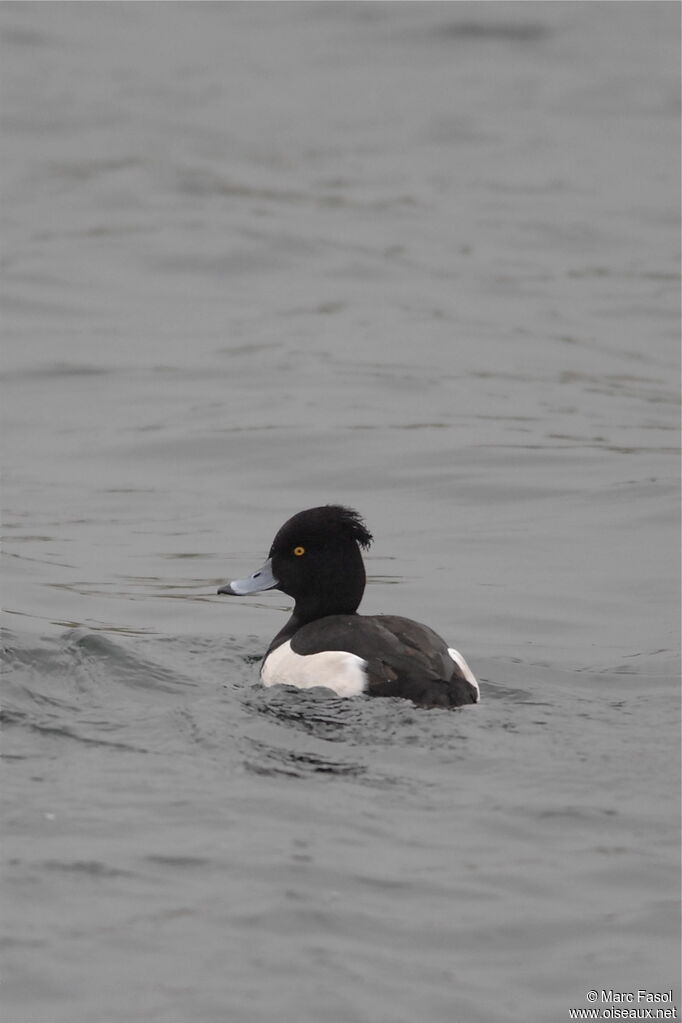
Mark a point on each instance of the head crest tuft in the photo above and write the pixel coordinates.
(351, 522)
(321, 525)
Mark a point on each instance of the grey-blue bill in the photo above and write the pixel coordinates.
(263, 579)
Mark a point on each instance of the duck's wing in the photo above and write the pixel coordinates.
(403, 657)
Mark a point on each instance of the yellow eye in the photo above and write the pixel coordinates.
(298, 551)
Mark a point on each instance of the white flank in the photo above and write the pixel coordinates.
(466, 670)
(338, 670)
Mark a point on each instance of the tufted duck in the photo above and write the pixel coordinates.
(315, 558)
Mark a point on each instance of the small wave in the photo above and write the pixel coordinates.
(59, 731)
(161, 860)
(99, 657)
(265, 759)
(90, 868)
(482, 31)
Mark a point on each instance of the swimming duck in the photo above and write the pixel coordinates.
(315, 558)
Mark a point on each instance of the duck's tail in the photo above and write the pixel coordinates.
(456, 691)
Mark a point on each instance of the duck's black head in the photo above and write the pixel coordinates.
(315, 558)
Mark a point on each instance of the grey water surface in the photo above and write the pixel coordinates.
(421, 259)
